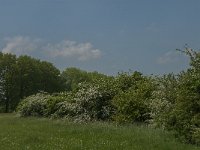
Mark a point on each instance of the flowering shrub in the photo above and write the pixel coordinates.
(160, 107)
(162, 100)
(65, 109)
(91, 101)
(175, 105)
(94, 101)
(34, 105)
(42, 104)
(54, 101)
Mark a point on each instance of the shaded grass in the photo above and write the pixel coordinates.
(43, 134)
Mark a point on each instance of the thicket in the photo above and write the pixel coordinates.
(171, 102)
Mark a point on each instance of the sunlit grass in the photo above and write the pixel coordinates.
(44, 134)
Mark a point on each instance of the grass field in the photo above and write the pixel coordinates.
(43, 134)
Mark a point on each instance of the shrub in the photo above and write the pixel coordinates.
(127, 80)
(133, 105)
(176, 103)
(163, 99)
(186, 113)
(54, 101)
(65, 109)
(94, 100)
(34, 105)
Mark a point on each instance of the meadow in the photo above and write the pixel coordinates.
(46, 134)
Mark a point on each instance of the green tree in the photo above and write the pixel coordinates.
(50, 80)
(9, 81)
(36, 75)
(23, 76)
(29, 74)
(74, 76)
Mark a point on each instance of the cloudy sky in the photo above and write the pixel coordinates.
(102, 35)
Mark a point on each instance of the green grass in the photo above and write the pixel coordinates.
(43, 134)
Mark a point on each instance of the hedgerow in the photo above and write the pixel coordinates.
(171, 102)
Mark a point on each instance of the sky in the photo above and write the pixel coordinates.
(108, 36)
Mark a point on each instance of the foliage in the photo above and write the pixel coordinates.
(163, 99)
(54, 101)
(73, 76)
(36, 75)
(132, 105)
(126, 80)
(169, 101)
(91, 101)
(9, 89)
(185, 116)
(186, 112)
(94, 101)
(23, 76)
(50, 80)
(176, 103)
(35, 105)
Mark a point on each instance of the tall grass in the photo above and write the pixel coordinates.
(43, 134)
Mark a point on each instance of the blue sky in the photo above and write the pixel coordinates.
(102, 35)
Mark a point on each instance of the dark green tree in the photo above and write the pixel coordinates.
(29, 73)
(74, 76)
(50, 80)
(36, 76)
(23, 76)
(9, 91)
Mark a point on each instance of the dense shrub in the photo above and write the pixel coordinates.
(175, 104)
(42, 104)
(54, 101)
(185, 116)
(90, 101)
(35, 105)
(163, 99)
(126, 80)
(133, 105)
(94, 101)
(65, 109)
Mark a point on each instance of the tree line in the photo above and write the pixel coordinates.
(23, 76)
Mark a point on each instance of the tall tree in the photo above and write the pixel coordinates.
(9, 81)
(24, 76)
(73, 76)
(50, 79)
(29, 74)
(36, 75)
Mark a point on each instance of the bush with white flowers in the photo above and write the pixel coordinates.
(34, 105)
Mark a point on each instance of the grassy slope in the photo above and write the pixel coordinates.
(42, 134)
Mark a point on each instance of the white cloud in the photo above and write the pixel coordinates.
(170, 57)
(66, 48)
(20, 45)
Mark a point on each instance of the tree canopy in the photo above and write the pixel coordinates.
(24, 76)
